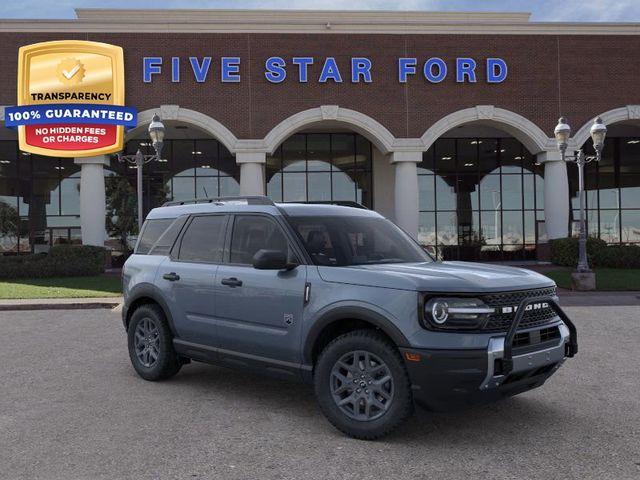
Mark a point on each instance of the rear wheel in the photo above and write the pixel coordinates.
(362, 385)
(151, 344)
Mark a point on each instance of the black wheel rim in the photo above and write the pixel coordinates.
(361, 385)
(147, 342)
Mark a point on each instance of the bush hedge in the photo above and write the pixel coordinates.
(564, 252)
(61, 261)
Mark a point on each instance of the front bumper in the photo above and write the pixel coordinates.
(452, 379)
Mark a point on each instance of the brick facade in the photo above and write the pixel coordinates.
(575, 75)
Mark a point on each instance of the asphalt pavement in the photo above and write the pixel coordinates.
(71, 407)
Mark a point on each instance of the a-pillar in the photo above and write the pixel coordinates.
(406, 190)
(93, 208)
(556, 194)
(251, 172)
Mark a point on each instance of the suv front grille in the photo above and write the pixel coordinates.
(532, 318)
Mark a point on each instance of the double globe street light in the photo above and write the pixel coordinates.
(598, 132)
(156, 133)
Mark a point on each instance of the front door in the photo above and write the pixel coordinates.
(259, 312)
(188, 278)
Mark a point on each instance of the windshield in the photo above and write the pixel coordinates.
(342, 241)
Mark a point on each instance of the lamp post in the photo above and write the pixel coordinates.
(562, 133)
(156, 133)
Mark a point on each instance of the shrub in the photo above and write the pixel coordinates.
(61, 261)
(564, 252)
(618, 256)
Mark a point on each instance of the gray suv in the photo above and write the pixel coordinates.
(339, 297)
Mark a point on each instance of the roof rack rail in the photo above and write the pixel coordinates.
(341, 203)
(250, 199)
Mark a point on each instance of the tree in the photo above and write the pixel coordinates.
(9, 221)
(161, 192)
(121, 219)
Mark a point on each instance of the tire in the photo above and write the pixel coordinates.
(372, 407)
(166, 364)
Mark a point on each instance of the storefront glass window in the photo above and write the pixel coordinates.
(479, 198)
(321, 167)
(612, 192)
(40, 196)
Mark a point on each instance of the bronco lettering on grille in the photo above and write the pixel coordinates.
(531, 306)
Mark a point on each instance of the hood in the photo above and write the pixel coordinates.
(451, 277)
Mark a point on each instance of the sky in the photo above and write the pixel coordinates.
(542, 10)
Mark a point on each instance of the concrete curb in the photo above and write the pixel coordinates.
(59, 304)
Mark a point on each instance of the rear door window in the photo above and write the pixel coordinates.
(151, 232)
(203, 241)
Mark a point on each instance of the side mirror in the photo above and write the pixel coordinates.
(271, 260)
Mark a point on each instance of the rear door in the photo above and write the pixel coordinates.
(187, 278)
(259, 311)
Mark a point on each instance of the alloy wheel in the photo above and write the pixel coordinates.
(362, 385)
(147, 342)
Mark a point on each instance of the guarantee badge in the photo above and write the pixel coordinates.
(71, 99)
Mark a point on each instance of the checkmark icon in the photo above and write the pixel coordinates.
(71, 73)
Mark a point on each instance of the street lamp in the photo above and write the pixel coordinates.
(562, 133)
(156, 133)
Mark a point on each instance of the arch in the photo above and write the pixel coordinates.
(197, 119)
(382, 138)
(622, 114)
(527, 132)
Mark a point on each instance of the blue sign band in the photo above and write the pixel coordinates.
(70, 113)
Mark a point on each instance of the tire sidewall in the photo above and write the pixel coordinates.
(401, 400)
(166, 355)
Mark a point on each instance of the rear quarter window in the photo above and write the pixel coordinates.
(164, 244)
(151, 232)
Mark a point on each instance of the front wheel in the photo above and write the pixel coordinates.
(362, 385)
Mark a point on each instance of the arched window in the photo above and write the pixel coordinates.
(200, 168)
(480, 198)
(612, 189)
(321, 167)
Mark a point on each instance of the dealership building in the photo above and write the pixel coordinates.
(443, 122)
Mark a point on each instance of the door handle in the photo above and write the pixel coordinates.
(172, 277)
(232, 282)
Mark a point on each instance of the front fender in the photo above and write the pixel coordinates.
(347, 310)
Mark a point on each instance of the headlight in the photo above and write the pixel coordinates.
(456, 313)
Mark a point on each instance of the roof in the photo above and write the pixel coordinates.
(310, 21)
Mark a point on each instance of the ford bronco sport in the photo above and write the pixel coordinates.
(340, 297)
